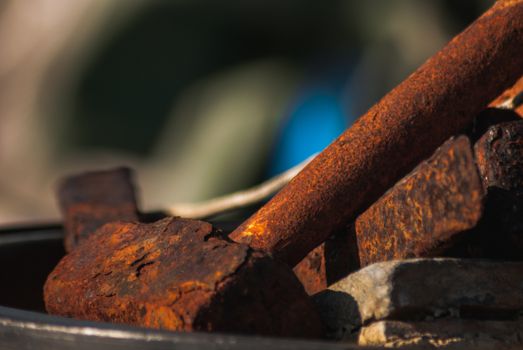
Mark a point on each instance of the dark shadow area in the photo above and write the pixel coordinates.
(27, 257)
(339, 313)
(341, 255)
(488, 118)
(499, 233)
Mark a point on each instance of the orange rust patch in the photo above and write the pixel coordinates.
(196, 282)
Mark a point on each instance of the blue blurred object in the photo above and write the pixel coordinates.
(315, 119)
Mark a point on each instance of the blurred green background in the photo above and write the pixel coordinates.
(201, 97)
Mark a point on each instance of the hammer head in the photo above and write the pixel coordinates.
(178, 274)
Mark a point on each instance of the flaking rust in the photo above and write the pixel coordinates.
(406, 126)
(92, 199)
(177, 274)
(422, 214)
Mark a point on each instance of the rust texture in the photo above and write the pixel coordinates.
(406, 126)
(419, 202)
(92, 199)
(177, 274)
(515, 95)
(418, 216)
(422, 213)
(499, 155)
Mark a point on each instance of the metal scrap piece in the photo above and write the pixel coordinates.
(476, 196)
(421, 215)
(92, 199)
(177, 274)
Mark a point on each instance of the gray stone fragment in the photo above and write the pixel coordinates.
(422, 289)
(446, 334)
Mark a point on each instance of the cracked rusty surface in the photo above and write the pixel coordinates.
(406, 126)
(92, 199)
(178, 274)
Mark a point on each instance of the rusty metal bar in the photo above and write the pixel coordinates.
(426, 210)
(406, 126)
(92, 199)
(448, 197)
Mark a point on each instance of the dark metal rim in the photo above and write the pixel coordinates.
(61, 327)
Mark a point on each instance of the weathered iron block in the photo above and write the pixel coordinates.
(178, 274)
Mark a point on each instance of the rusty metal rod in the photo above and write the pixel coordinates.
(460, 202)
(406, 126)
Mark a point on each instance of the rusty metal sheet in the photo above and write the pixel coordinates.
(437, 101)
(91, 199)
(178, 274)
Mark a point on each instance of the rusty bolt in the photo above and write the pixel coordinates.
(406, 126)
